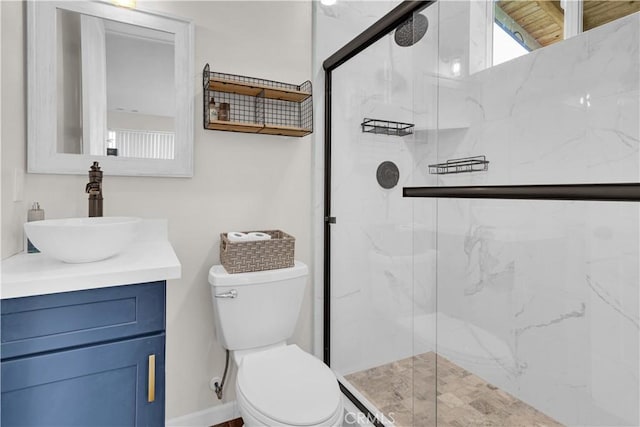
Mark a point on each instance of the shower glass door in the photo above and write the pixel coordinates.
(384, 103)
(458, 312)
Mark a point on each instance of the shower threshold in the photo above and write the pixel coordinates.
(405, 391)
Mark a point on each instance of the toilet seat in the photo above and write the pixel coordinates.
(253, 418)
(288, 386)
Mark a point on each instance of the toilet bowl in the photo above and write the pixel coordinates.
(277, 384)
(285, 386)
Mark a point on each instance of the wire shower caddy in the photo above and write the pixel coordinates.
(466, 164)
(386, 127)
(258, 105)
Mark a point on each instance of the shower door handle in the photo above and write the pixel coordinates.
(231, 294)
(330, 219)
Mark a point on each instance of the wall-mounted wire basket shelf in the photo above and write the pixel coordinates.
(257, 105)
(386, 127)
(467, 164)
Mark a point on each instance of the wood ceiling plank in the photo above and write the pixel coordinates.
(529, 7)
(606, 6)
(597, 15)
(524, 6)
(595, 6)
(628, 7)
(607, 12)
(552, 28)
(552, 8)
(511, 6)
(540, 23)
(503, 3)
(533, 18)
(590, 4)
(551, 38)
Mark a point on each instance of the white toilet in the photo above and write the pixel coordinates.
(277, 384)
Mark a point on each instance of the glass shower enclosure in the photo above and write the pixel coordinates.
(481, 223)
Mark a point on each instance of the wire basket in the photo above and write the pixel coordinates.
(467, 164)
(259, 255)
(386, 127)
(258, 105)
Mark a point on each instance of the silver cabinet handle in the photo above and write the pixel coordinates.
(231, 294)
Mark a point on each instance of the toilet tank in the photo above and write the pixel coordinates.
(259, 308)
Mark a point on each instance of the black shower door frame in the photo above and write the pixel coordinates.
(606, 192)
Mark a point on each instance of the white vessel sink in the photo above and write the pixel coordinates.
(77, 240)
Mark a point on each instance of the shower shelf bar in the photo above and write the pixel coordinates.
(467, 164)
(611, 192)
(386, 127)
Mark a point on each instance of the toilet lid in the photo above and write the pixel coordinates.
(289, 386)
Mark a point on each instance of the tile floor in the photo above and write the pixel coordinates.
(405, 391)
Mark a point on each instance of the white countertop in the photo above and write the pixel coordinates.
(150, 258)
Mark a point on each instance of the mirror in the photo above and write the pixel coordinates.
(109, 111)
(119, 90)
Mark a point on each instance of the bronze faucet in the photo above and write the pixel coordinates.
(94, 188)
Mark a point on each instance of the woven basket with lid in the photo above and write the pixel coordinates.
(259, 255)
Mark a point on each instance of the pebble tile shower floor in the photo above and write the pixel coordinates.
(406, 389)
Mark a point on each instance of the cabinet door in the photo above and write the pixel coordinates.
(43, 323)
(100, 385)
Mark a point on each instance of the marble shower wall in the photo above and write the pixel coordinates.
(541, 298)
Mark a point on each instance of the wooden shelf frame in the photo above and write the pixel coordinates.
(249, 89)
(256, 128)
(258, 104)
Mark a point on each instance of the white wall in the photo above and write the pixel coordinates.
(241, 181)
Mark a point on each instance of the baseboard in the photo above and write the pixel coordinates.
(228, 411)
(208, 417)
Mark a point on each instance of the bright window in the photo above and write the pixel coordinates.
(505, 47)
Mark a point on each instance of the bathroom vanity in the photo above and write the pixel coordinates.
(84, 344)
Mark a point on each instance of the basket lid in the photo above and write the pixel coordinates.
(218, 276)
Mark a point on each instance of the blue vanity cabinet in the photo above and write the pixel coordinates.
(84, 358)
(98, 385)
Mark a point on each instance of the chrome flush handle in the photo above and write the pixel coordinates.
(231, 294)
